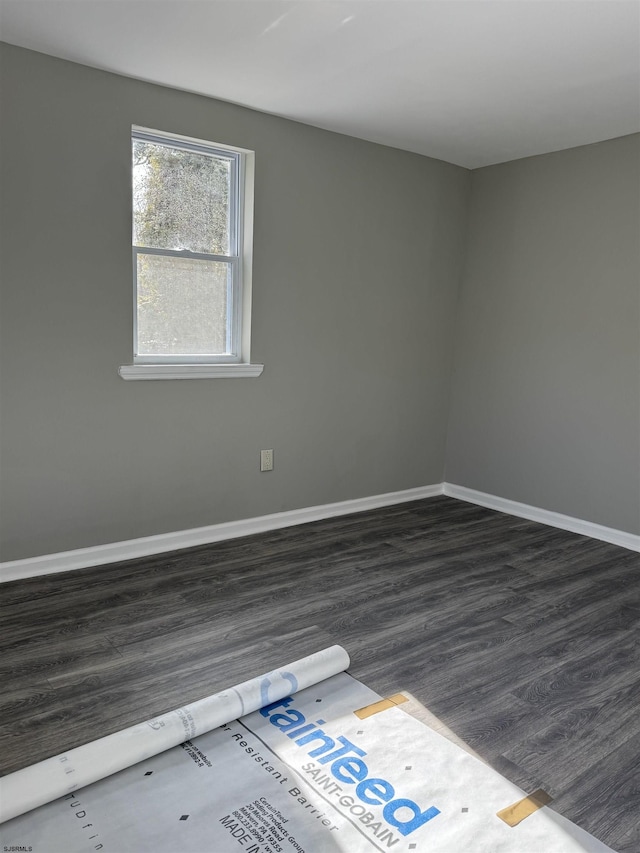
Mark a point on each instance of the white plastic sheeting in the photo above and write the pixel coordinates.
(302, 774)
(33, 786)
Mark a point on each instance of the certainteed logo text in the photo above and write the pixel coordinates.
(347, 766)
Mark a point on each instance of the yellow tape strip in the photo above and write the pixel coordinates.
(382, 705)
(523, 808)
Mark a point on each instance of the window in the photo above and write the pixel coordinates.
(192, 224)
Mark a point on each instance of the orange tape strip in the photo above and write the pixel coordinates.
(523, 808)
(382, 705)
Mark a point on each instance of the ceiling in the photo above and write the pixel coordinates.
(472, 82)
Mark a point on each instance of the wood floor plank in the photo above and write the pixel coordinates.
(605, 797)
(77, 709)
(522, 638)
(46, 659)
(24, 701)
(569, 734)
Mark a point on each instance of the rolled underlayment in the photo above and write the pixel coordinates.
(55, 777)
(334, 768)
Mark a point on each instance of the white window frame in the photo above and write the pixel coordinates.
(236, 362)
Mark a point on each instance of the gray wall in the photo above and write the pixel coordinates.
(546, 396)
(358, 258)
(358, 255)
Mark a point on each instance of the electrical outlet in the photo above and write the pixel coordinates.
(266, 460)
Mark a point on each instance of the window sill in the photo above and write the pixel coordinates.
(189, 371)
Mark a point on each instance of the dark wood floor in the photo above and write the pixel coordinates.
(523, 639)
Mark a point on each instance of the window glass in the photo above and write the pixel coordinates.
(181, 199)
(182, 305)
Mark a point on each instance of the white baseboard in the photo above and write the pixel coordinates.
(553, 519)
(83, 558)
(117, 551)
